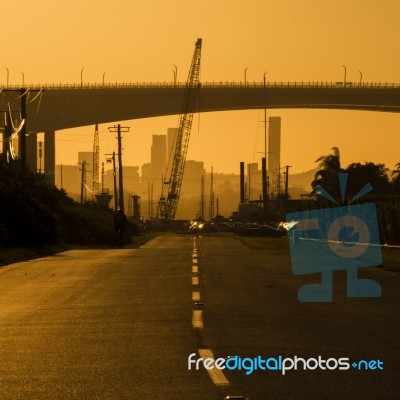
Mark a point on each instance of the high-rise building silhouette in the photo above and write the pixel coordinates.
(158, 161)
(191, 183)
(171, 139)
(274, 154)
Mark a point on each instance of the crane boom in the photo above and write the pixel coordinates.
(172, 186)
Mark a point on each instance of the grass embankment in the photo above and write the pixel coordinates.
(12, 255)
(264, 243)
(391, 257)
(17, 254)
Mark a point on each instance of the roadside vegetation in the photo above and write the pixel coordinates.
(37, 219)
(385, 190)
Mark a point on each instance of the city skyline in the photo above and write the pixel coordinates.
(153, 42)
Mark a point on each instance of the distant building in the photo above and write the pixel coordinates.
(67, 177)
(274, 155)
(86, 156)
(131, 179)
(191, 183)
(171, 140)
(159, 156)
(147, 173)
(254, 182)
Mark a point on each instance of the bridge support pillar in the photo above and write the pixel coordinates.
(50, 155)
(31, 151)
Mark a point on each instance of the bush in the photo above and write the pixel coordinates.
(33, 212)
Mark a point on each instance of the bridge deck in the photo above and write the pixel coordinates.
(65, 106)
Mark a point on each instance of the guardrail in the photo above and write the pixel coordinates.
(216, 85)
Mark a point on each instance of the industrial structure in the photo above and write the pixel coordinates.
(96, 158)
(171, 189)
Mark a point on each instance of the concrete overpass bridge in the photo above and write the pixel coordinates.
(71, 106)
(68, 106)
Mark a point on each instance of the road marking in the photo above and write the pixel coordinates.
(195, 269)
(195, 296)
(194, 261)
(216, 375)
(195, 280)
(197, 319)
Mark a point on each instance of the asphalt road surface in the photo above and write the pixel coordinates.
(121, 324)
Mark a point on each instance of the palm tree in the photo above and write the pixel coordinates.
(396, 179)
(396, 172)
(327, 174)
(331, 161)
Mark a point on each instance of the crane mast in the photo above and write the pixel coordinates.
(172, 187)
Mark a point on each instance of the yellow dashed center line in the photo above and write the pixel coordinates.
(197, 319)
(195, 296)
(216, 375)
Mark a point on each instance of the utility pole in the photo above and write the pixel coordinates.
(202, 199)
(287, 182)
(22, 147)
(211, 216)
(96, 153)
(83, 178)
(264, 184)
(264, 159)
(242, 188)
(22, 132)
(102, 177)
(7, 137)
(40, 156)
(119, 129)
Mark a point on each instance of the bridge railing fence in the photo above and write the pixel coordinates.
(213, 84)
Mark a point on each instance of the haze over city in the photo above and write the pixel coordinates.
(152, 41)
(239, 270)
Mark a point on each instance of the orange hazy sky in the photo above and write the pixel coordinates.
(141, 41)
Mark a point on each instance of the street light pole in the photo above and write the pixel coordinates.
(82, 76)
(176, 74)
(360, 76)
(245, 76)
(345, 70)
(104, 74)
(173, 71)
(23, 78)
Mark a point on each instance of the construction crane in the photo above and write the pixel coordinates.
(171, 187)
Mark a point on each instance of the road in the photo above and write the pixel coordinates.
(121, 324)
